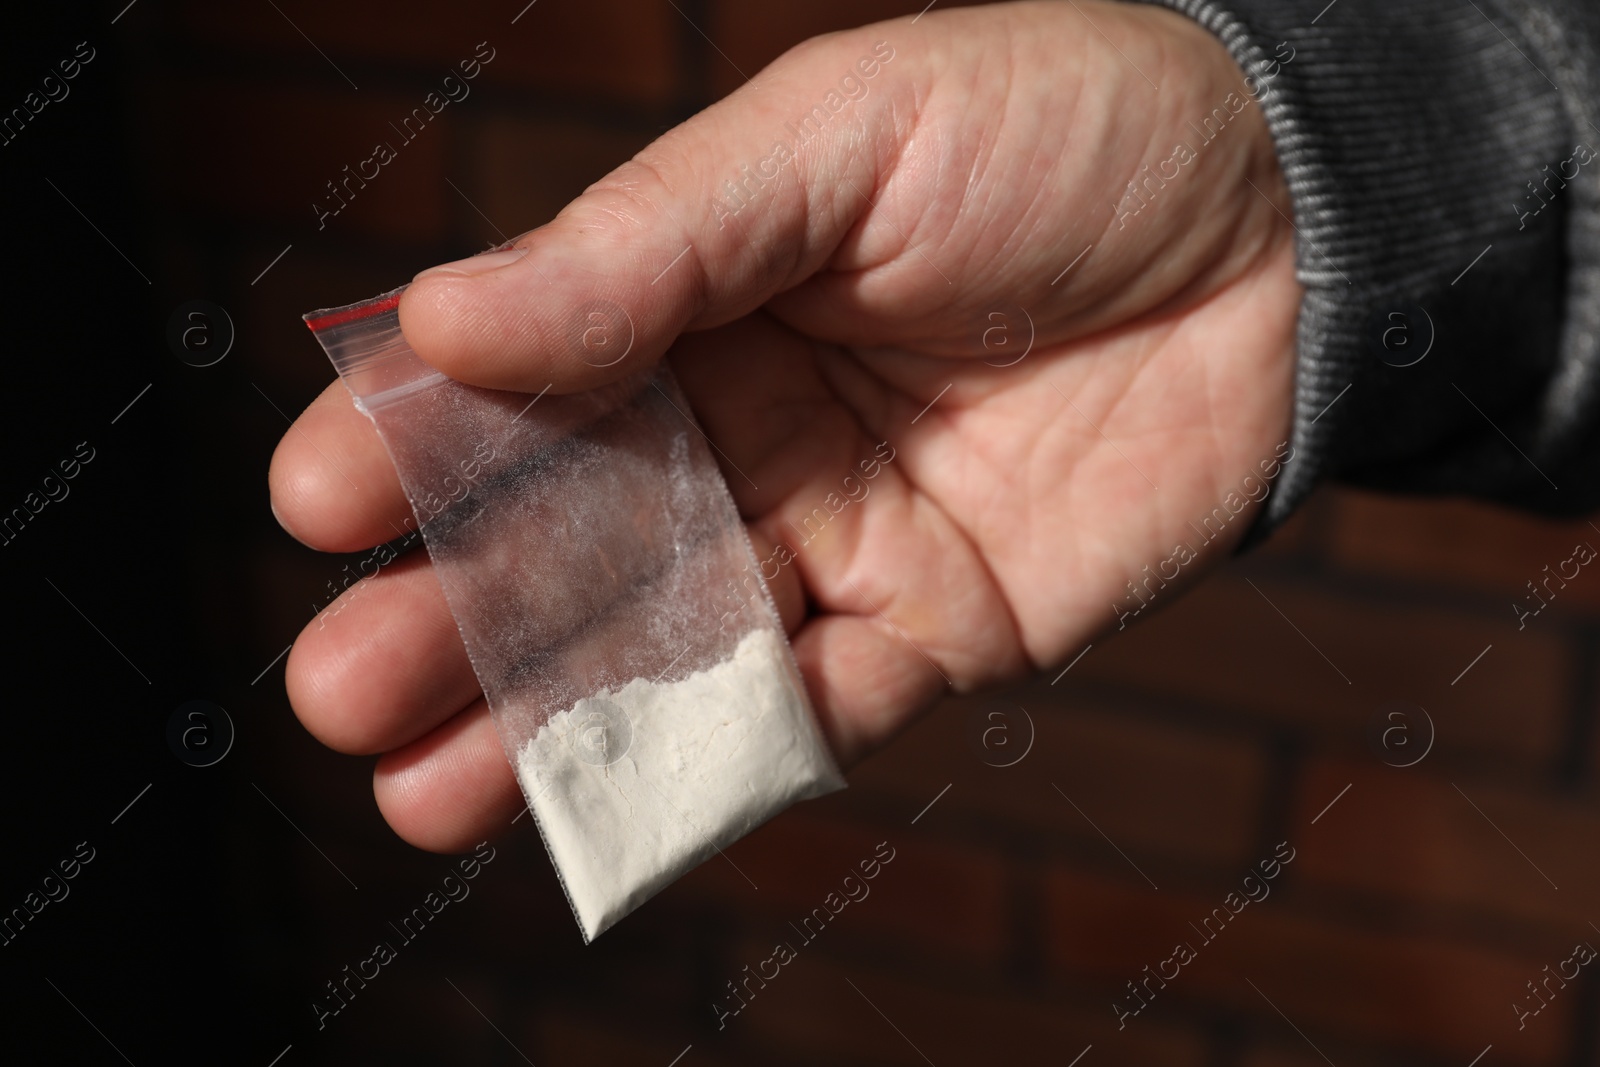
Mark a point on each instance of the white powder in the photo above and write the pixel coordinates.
(703, 761)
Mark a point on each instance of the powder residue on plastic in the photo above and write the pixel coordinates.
(581, 542)
(718, 752)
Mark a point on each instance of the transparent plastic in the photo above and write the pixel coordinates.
(586, 544)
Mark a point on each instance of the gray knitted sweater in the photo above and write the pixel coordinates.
(1444, 163)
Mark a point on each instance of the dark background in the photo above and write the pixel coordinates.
(220, 899)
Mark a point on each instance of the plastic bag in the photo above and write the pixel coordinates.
(585, 544)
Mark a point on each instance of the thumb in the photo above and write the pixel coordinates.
(741, 202)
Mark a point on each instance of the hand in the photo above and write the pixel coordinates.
(955, 170)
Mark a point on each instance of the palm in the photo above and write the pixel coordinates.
(846, 309)
(1017, 506)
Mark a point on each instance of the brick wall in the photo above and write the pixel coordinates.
(1165, 766)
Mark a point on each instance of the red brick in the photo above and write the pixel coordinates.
(368, 1030)
(1463, 543)
(1224, 644)
(1593, 783)
(1426, 994)
(520, 172)
(1164, 793)
(568, 48)
(1417, 836)
(1288, 1056)
(1303, 533)
(934, 899)
(944, 1016)
(752, 35)
(265, 153)
(1301, 1054)
(1293, 1051)
(516, 910)
(585, 1033)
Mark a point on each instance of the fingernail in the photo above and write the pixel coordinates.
(480, 264)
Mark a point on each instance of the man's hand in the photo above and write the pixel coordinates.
(913, 240)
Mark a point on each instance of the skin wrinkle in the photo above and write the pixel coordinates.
(820, 404)
(902, 144)
(1048, 185)
(1197, 291)
(1224, 481)
(1027, 225)
(832, 363)
(879, 217)
(1251, 259)
(632, 189)
(917, 493)
(981, 153)
(1030, 220)
(974, 539)
(1219, 431)
(324, 684)
(1031, 223)
(1014, 627)
(794, 273)
(407, 783)
(999, 479)
(1058, 163)
(1141, 358)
